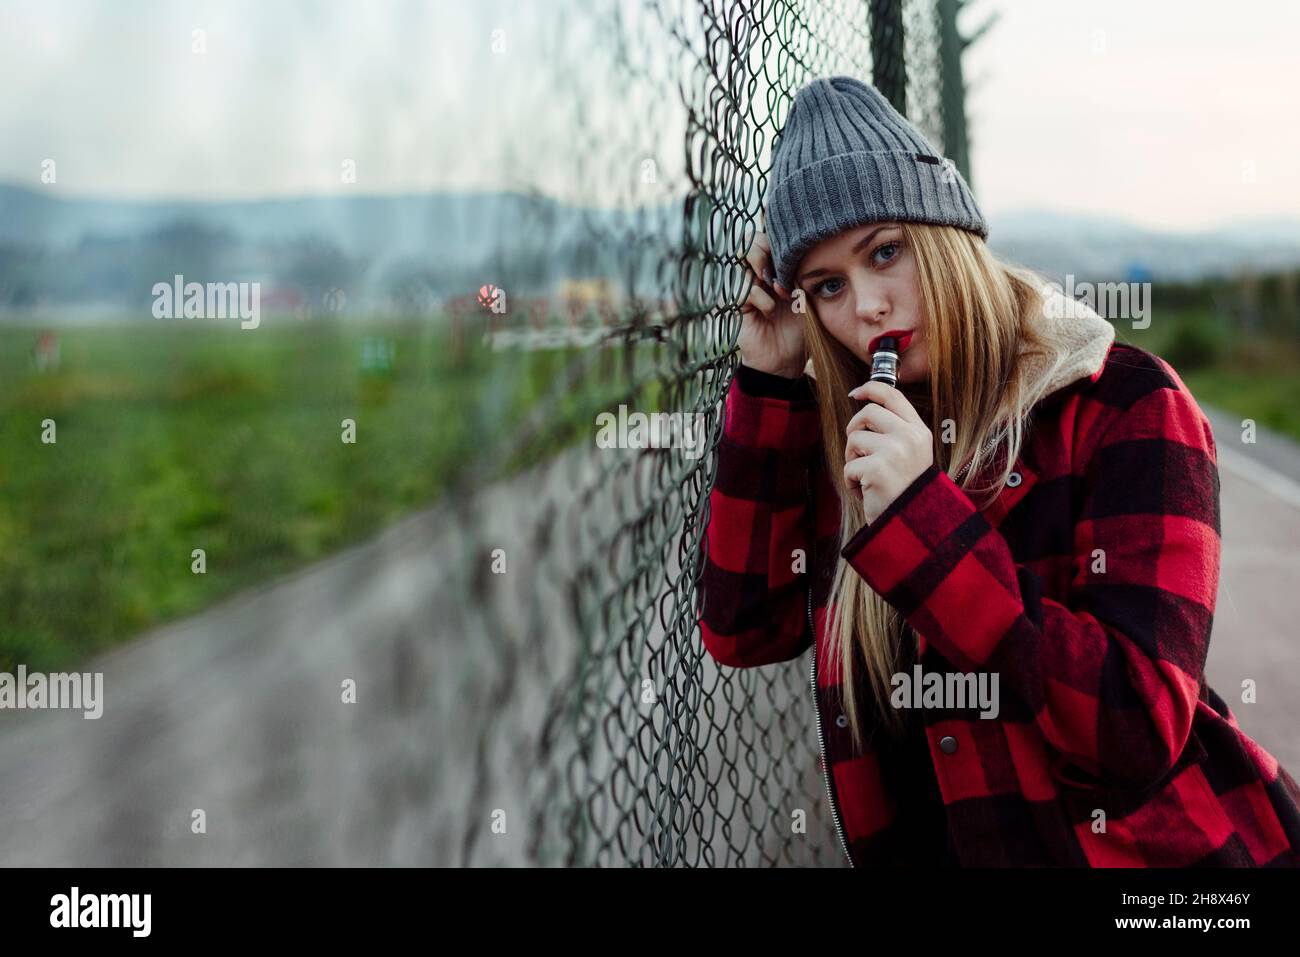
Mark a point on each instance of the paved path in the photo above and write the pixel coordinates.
(1257, 619)
(238, 711)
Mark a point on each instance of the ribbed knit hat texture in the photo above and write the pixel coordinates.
(845, 157)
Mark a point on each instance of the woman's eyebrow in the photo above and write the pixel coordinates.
(857, 248)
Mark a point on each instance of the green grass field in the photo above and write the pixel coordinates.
(171, 438)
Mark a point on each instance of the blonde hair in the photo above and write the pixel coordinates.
(979, 315)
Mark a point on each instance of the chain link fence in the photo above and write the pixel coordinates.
(530, 684)
(599, 719)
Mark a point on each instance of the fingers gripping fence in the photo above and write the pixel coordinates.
(603, 733)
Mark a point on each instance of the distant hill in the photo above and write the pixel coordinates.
(460, 226)
(60, 249)
(1096, 247)
(56, 249)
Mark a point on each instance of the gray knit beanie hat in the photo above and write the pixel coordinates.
(846, 157)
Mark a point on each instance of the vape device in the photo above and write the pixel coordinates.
(884, 362)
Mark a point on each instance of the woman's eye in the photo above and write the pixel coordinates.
(822, 288)
(892, 247)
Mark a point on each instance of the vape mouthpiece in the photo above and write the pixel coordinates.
(884, 361)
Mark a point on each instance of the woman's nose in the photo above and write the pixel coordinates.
(870, 306)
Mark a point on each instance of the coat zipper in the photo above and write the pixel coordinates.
(812, 677)
(987, 445)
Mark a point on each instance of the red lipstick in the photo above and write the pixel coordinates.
(903, 336)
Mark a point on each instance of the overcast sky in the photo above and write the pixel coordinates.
(1176, 115)
(1171, 114)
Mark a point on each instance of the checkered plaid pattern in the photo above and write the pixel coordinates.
(1089, 588)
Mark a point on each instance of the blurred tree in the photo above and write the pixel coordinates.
(23, 279)
(315, 266)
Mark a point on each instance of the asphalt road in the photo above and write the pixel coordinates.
(1256, 632)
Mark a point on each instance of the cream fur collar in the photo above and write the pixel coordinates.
(1085, 337)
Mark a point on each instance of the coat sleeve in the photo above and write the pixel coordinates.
(759, 523)
(1113, 676)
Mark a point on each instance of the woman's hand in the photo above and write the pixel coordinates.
(771, 333)
(888, 447)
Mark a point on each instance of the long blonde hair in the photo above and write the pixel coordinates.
(979, 314)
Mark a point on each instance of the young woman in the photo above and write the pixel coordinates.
(1007, 566)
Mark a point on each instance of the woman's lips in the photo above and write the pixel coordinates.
(904, 336)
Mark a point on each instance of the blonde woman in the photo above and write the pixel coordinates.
(1006, 566)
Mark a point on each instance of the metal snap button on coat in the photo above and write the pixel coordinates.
(842, 721)
(948, 744)
(1013, 479)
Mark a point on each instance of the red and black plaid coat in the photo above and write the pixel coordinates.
(1104, 705)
